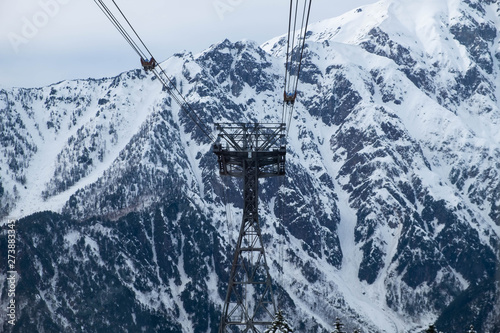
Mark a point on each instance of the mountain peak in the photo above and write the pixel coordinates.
(388, 216)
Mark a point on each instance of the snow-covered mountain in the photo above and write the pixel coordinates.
(391, 204)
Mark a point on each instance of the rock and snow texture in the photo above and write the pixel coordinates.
(391, 204)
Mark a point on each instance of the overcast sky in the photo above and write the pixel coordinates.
(46, 41)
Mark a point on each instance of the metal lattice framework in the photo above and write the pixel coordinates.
(252, 151)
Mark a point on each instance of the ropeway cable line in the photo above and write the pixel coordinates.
(125, 28)
(294, 54)
(293, 61)
(253, 151)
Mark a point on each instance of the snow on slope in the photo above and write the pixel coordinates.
(392, 207)
(421, 31)
(50, 143)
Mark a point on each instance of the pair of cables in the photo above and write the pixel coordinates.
(116, 16)
(298, 17)
(299, 14)
(295, 51)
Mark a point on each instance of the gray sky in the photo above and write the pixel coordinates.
(46, 41)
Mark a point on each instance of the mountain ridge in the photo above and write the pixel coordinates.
(391, 200)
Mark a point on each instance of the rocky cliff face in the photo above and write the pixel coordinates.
(389, 215)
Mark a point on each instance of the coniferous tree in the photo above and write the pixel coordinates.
(338, 327)
(431, 329)
(471, 330)
(280, 325)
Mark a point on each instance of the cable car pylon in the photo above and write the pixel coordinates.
(254, 151)
(250, 151)
(245, 150)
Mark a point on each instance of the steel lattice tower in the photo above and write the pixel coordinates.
(251, 151)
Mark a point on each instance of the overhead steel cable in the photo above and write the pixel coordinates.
(286, 59)
(161, 75)
(303, 34)
(292, 21)
(193, 114)
(118, 26)
(294, 55)
(181, 101)
(131, 27)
